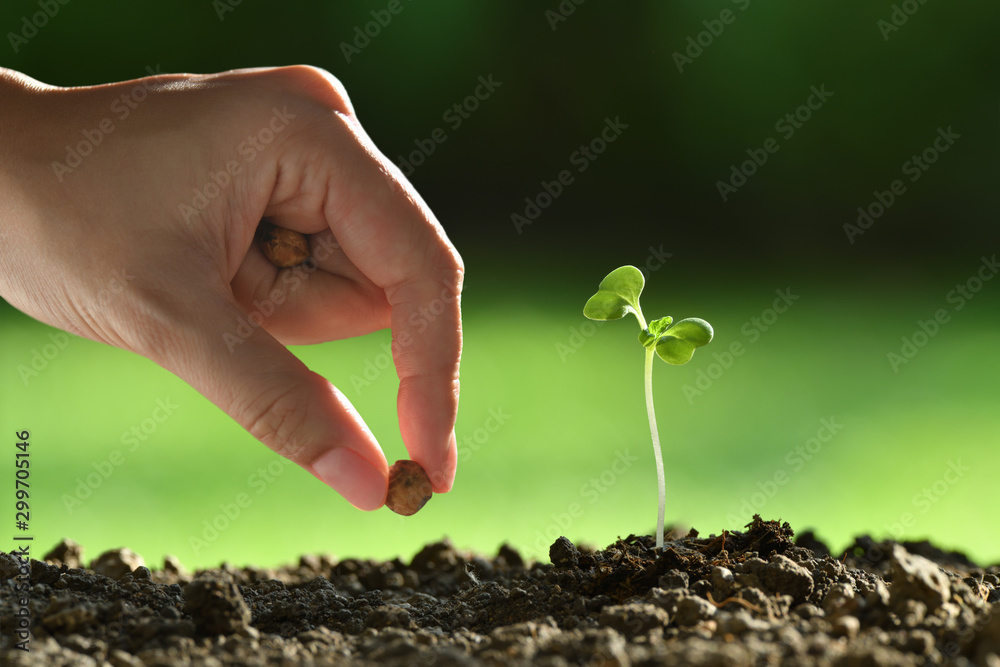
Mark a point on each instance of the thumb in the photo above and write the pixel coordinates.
(227, 357)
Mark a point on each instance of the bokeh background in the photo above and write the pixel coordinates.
(552, 430)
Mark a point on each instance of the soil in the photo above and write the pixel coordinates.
(758, 597)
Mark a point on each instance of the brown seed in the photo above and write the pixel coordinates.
(409, 488)
(283, 247)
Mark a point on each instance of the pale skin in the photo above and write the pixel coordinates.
(68, 237)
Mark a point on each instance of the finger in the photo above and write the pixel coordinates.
(427, 343)
(392, 236)
(325, 299)
(267, 390)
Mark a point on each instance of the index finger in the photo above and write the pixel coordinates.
(390, 234)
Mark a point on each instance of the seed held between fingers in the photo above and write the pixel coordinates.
(409, 488)
(283, 247)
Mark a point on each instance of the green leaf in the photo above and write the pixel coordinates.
(694, 330)
(674, 351)
(658, 327)
(678, 344)
(648, 337)
(606, 306)
(618, 294)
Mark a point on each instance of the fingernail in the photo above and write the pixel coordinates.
(353, 477)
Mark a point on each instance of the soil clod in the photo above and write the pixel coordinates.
(116, 563)
(68, 552)
(564, 553)
(216, 605)
(916, 579)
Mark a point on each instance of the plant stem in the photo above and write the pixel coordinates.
(656, 447)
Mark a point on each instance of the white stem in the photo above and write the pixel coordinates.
(661, 482)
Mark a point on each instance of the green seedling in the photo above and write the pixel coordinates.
(674, 342)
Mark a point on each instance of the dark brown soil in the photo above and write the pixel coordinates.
(740, 598)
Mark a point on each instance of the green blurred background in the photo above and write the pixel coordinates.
(572, 453)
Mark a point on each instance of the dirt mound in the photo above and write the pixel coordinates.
(757, 597)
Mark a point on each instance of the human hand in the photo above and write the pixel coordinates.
(179, 172)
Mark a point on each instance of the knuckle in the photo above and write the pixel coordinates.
(320, 84)
(441, 279)
(452, 276)
(445, 267)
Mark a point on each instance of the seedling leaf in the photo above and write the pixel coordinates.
(649, 336)
(618, 294)
(606, 306)
(658, 327)
(674, 351)
(678, 344)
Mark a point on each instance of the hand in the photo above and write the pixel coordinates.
(128, 216)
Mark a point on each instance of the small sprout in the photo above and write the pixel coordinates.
(283, 247)
(409, 488)
(673, 342)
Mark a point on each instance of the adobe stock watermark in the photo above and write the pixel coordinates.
(958, 297)
(924, 500)
(130, 439)
(579, 335)
(786, 126)
(714, 28)
(223, 7)
(795, 460)
(41, 358)
(291, 279)
(915, 167)
(581, 158)
(470, 443)
(230, 512)
(365, 33)
(898, 17)
(121, 108)
(752, 329)
(419, 320)
(454, 116)
(590, 492)
(248, 150)
(562, 12)
(30, 25)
